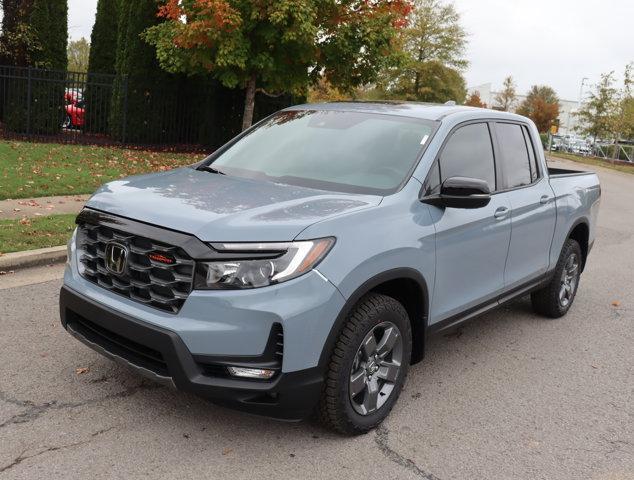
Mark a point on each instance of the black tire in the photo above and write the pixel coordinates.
(372, 313)
(548, 301)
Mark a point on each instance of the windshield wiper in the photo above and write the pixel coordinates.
(210, 169)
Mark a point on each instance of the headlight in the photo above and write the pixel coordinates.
(272, 263)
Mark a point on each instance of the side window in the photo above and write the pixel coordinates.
(515, 163)
(531, 155)
(469, 153)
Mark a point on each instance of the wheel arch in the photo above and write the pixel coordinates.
(580, 232)
(407, 286)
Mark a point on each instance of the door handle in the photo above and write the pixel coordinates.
(501, 213)
(544, 199)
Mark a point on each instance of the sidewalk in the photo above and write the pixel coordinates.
(36, 207)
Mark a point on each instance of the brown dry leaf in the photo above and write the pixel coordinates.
(25, 221)
(616, 303)
(227, 451)
(16, 209)
(82, 370)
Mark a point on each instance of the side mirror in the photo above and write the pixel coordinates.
(461, 192)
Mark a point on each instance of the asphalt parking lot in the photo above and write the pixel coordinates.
(509, 396)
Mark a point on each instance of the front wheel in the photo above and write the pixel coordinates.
(555, 299)
(368, 367)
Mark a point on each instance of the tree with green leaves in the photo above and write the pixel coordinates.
(541, 105)
(78, 53)
(506, 98)
(597, 112)
(280, 46)
(623, 121)
(428, 56)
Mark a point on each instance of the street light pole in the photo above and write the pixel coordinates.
(583, 82)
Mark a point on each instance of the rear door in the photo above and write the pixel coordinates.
(471, 244)
(532, 203)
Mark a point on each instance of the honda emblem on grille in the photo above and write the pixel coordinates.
(116, 257)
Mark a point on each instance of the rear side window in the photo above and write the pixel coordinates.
(515, 162)
(531, 155)
(469, 153)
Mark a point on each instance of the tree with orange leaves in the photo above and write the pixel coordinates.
(474, 100)
(277, 45)
(541, 105)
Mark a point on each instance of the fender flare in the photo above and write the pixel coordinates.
(364, 288)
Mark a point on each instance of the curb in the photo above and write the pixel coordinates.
(33, 258)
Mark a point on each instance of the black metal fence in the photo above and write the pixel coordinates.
(91, 108)
(57, 105)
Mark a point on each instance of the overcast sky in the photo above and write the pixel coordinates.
(553, 42)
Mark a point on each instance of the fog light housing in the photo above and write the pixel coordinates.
(259, 373)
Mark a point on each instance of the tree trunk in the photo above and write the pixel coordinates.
(417, 80)
(249, 103)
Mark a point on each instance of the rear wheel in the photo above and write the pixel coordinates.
(557, 297)
(368, 367)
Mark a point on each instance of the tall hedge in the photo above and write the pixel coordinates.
(101, 64)
(49, 21)
(103, 39)
(151, 94)
(35, 102)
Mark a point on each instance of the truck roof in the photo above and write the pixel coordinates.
(425, 111)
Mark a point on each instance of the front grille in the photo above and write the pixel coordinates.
(163, 282)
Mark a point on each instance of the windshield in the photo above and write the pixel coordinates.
(331, 150)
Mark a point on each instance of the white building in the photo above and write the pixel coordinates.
(568, 121)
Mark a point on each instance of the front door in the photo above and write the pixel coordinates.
(471, 244)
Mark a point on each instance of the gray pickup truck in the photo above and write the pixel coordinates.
(303, 265)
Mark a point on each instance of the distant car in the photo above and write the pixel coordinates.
(74, 114)
(580, 148)
(557, 144)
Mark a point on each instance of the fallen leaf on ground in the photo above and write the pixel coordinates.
(82, 370)
(616, 303)
(227, 451)
(16, 209)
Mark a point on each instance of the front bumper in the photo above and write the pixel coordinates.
(162, 355)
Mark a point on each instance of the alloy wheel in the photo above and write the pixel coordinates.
(569, 279)
(376, 368)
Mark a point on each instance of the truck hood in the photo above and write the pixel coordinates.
(223, 208)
